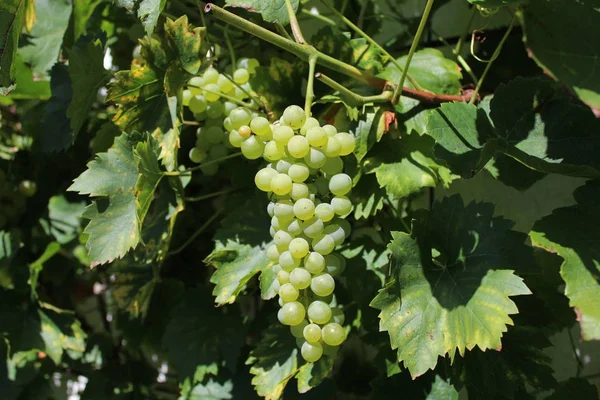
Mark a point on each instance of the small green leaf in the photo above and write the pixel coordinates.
(311, 375)
(64, 218)
(560, 36)
(147, 11)
(61, 332)
(11, 23)
(442, 390)
(369, 130)
(38, 265)
(450, 285)
(186, 42)
(271, 11)
(210, 391)
(570, 231)
(235, 265)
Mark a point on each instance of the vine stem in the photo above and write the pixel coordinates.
(310, 92)
(353, 99)
(197, 167)
(489, 64)
(209, 195)
(296, 31)
(412, 50)
(196, 234)
(229, 46)
(372, 42)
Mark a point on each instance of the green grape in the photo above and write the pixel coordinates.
(298, 146)
(330, 130)
(304, 209)
(300, 278)
(186, 97)
(287, 261)
(195, 85)
(325, 212)
(282, 134)
(298, 248)
(333, 147)
(241, 76)
(227, 124)
(315, 158)
(263, 179)
(288, 292)
(260, 126)
(281, 184)
(225, 85)
(245, 131)
(218, 122)
(197, 155)
(215, 110)
(252, 148)
(336, 232)
(316, 136)
(218, 151)
(333, 334)
(334, 264)
(279, 225)
(322, 285)
(291, 313)
(314, 263)
(249, 64)
(294, 117)
(284, 210)
(298, 330)
(200, 116)
(210, 169)
(283, 277)
(197, 104)
(298, 172)
(337, 316)
(211, 92)
(330, 350)
(273, 253)
(319, 312)
(229, 107)
(282, 239)
(211, 75)
(283, 166)
(311, 352)
(312, 333)
(323, 244)
(314, 227)
(347, 141)
(274, 151)
(240, 116)
(345, 225)
(213, 134)
(295, 227)
(340, 184)
(341, 205)
(276, 268)
(271, 209)
(235, 139)
(333, 166)
(299, 191)
(310, 123)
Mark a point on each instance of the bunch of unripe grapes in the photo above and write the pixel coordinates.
(204, 98)
(308, 191)
(12, 200)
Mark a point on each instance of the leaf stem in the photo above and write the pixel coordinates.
(209, 195)
(320, 17)
(353, 99)
(197, 167)
(310, 92)
(197, 233)
(489, 64)
(372, 42)
(281, 29)
(413, 47)
(296, 31)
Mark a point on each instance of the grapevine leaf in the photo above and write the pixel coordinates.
(210, 391)
(457, 300)
(369, 130)
(442, 390)
(365, 56)
(235, 265)
(271, 11)
(61, 332)
(11, 23)
(105, 137)
(186, 42)
(88, 75)
(28, 87)
(146, 157)
(584, 388)
(279, 84)
(268, 285)
(147, 11)
(497, 3)
(311, 375)
(64, 218)
(573, 232)
(246, 223)
(367, 197)
(133, 286)
(57, 134)
(38, 265)
(406, 166)
(45, 39)
(82, 11)
(194, 339)
(560, 36)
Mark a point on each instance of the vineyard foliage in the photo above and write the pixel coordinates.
(282, 199)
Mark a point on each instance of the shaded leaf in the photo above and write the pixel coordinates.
(11, 23)
(369, 130)
(64, 218)
(57, 134)
(442, 390)
(210, 391)
(585, 390)
(133, 286)
(279, 84)
(497, 3)
(271, 11)
(147, 11)
(311, 375)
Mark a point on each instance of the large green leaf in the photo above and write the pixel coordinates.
(560, 36)
(11, 22)
(450, 284)
(43, 45)
(573, 233)
(271, 11)
(147, 11)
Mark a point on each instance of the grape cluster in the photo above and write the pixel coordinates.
(12, 201)
(308, 190)
(204, 98)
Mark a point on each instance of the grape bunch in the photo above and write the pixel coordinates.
(207, 97)
(12, 201)
(309, 202)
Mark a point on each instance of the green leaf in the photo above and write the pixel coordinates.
(88, 75)
(11, 23)
(442, 390)
(366, 57)
(210, 391)
(267, 282)
(186, 42)
(271, 11)
(497, 3)
(560, 36)
(584, 388)
(61, 332)
(367, 197)
(369, 130)
(146, 157)
(38, 265)
(279, 84)
(57, 134)
(311, 375)
(570, 231)
(43, 45)
(450, 286)
(199, 334)
(147, 11)
(64, 218)
(235, 265)
(133, 286)
(27, 87)
(82, 11)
